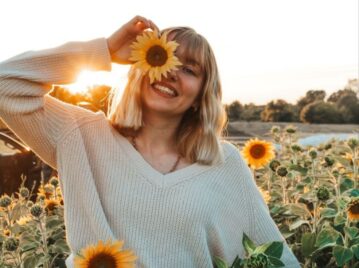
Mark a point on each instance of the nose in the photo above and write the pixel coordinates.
(172, 75)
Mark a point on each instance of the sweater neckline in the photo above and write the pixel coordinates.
(152, 174)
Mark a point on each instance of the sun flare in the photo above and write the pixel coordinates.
(87, 79)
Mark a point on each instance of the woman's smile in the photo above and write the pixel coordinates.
(164, 90)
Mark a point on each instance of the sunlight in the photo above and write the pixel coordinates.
(87, 79)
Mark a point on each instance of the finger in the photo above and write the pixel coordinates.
(141, 21)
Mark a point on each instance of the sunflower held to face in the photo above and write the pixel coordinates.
(257, 152)
(153, 54)
(105, 255)
(353, 209)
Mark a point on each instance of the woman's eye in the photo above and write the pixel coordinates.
(188, 70)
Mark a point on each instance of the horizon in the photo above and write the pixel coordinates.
(265, 50)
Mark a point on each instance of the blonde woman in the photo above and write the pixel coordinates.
(153, 171)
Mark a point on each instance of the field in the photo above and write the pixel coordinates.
(312, 195)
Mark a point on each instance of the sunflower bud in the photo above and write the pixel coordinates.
(274, 164)
(329, 161)
(313, 153)
(5, 201)
(11, 244)
(275, 130)
(353, 143)
(290, 129)
(29, 204)
(328, 146)
(24, 192)
(282, 171)
(258, 261)
(54, 181)
(323, 193)
(36, 210)
(335, 173)
(296, 148)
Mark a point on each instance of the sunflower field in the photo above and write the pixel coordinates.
(312, 194)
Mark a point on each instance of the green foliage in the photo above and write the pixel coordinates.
(279, 111)
(262, 256)
(33, 233)
(234, 110)
(320, 112)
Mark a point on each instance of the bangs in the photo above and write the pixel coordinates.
(192, 45)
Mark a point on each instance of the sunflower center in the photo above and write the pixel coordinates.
(156, 56)
(257, 151)
(102, 260)
(354, 209)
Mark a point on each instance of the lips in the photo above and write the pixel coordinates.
(164, 90)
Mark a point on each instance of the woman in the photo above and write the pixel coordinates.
(153, 172)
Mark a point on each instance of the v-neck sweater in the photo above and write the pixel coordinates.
(180, 219)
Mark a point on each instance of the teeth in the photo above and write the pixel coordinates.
(165, 90)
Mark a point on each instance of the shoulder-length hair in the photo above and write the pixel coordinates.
(201, 128)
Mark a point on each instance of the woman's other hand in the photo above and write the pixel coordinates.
(119, 42)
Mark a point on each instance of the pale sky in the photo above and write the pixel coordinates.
(265, 49)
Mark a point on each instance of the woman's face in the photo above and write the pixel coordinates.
(175, 94)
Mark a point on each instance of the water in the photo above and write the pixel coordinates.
(318, 139)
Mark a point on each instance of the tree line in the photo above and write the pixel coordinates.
(341, 107)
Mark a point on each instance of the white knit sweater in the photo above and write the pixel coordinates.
(181, 219)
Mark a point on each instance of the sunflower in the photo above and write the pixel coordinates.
(154, 54)
(258, 152)
(51, 205)
(108, 255)
(24, 220)
(353, 209)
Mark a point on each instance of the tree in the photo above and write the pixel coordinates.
(320, 112)
(252, 112)
(310, 97)
(348, 105)
(278, 111)
(335, 96)
(234, 110)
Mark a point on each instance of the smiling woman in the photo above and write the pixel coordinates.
(173, 190)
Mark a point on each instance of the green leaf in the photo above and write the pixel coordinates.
(338, 220)
(302, 170)
(275, 249)
(342, 255)
(351, 232)
(297, 224)
(299, 210)
(220, 263)
(355, 249)
(248, 244)
(308, 244)
(346, 184)
(326, 238)
(31, 261)
(275, 262)
(328, 213)
(354, 193)
(236, 263)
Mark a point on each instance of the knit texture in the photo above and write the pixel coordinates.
(181, 219)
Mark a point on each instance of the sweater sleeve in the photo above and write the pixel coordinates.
(262, 227)
(38, 119)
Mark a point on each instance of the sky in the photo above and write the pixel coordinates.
(265, 50)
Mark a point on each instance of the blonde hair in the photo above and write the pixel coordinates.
(200, 130)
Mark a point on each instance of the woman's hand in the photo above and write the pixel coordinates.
(119, 42)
